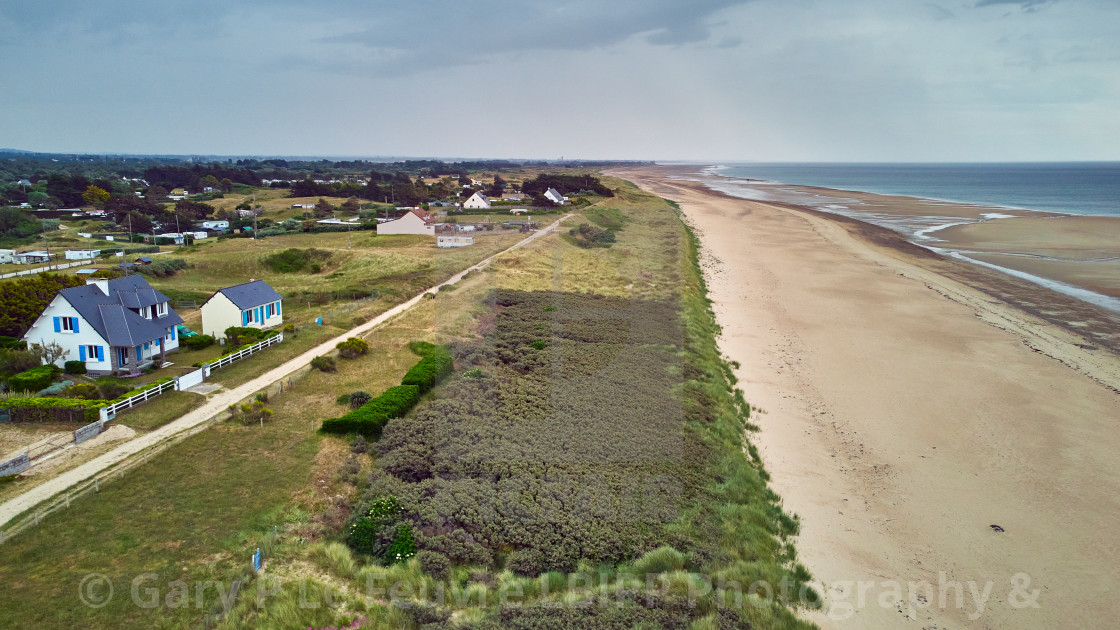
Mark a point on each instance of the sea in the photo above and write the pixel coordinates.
(1073, 188)
(1086, 188)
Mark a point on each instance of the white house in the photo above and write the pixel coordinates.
(454, 241)
(215, 225)
(554, 196)
(82, 254)
(7, 256)
(176, 237)
(477, 201)
(115, 326)
(415, 221)
(253, 304)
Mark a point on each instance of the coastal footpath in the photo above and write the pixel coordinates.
(951, 456)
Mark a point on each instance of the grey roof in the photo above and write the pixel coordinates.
(112, 315)
(250, 294)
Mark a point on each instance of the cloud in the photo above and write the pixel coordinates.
(1028, 6)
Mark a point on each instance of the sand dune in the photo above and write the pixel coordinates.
(904, 412)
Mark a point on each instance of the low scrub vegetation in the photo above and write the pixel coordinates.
(297, 260)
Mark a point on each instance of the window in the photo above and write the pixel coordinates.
(249, 316)
(69, 324)
(94, 353)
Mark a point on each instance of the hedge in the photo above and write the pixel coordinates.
(50, 409)
(12, 343)
(430, 370)
(35, 379)
(53, 409)
(75, 367)
(370, 418)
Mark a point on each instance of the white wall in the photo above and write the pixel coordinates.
(408, 224)
(220, 313)
(42, 331)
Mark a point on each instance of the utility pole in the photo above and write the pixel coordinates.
(48, 241)
(182, 239)
(349, 238)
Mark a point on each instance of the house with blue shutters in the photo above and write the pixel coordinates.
(253, 304)
(115, 326)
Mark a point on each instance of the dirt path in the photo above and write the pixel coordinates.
(218, 404)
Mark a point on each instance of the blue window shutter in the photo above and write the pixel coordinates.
(260, 314)
(81, 353)
(277, 307)
(58, 324)
(99, 355)
(75, 323)
(244, 317)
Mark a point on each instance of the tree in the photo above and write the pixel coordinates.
(95, 196)
(193, 210)
(157, 193)
(23, 300)
(351, 205)
(37, 199)
(227, 184)
(48, 352)
(323, 208)
(210, 181)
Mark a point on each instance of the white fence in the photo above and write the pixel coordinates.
(188, 381)
(110, 411)
(237, 356)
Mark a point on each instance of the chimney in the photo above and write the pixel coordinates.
(101, 283)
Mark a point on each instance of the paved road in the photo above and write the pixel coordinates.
(219, 403)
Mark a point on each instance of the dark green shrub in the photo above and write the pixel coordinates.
(74, 367)
(526, 562)
(296, 260)
(538, 345)
(352, 348)
(35, 379)
(196, 342)
(474, 373)
(357, 399)
(12, 343)
(343, 399)
(403, 546)
(324, 364)
(369, 419)
(434, 564)
(16, 361)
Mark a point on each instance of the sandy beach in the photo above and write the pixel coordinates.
(906, 407)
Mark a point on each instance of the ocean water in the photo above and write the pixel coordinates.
(1091, 188)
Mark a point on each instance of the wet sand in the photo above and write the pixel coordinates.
(909, 402)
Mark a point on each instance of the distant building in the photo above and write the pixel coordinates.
(477, 201)
(252, 304)
(7, 256)
(82, 254)
(554, 196)
(31, 258)
(415, 221)
(513, 196)
(215, 225)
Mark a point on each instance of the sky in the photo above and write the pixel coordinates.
(690, 80)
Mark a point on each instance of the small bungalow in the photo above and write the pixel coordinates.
(477, 201)
(31, 258)
(115, 326)
(555, 197)
(82, 254)
(253, 304)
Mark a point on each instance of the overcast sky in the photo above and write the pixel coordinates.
(771, 80)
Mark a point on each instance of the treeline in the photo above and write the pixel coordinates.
(23, 300)
(171, 177)
(566, 184)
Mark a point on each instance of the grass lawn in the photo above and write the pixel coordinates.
(159, 411)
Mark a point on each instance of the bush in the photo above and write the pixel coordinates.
(434, 564)
(196, 342)
(403, 546)
(35, 379)
(162, 268)
(111, 390)
(12, 343)
(343, 399)
(16, 361)
(526, 562)
(359, 446)
(296, 260)
(87, 391)
(369, 419)
(352, 348)
(474, 373)
(357, 399)
(245, 335)
(324, 364)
